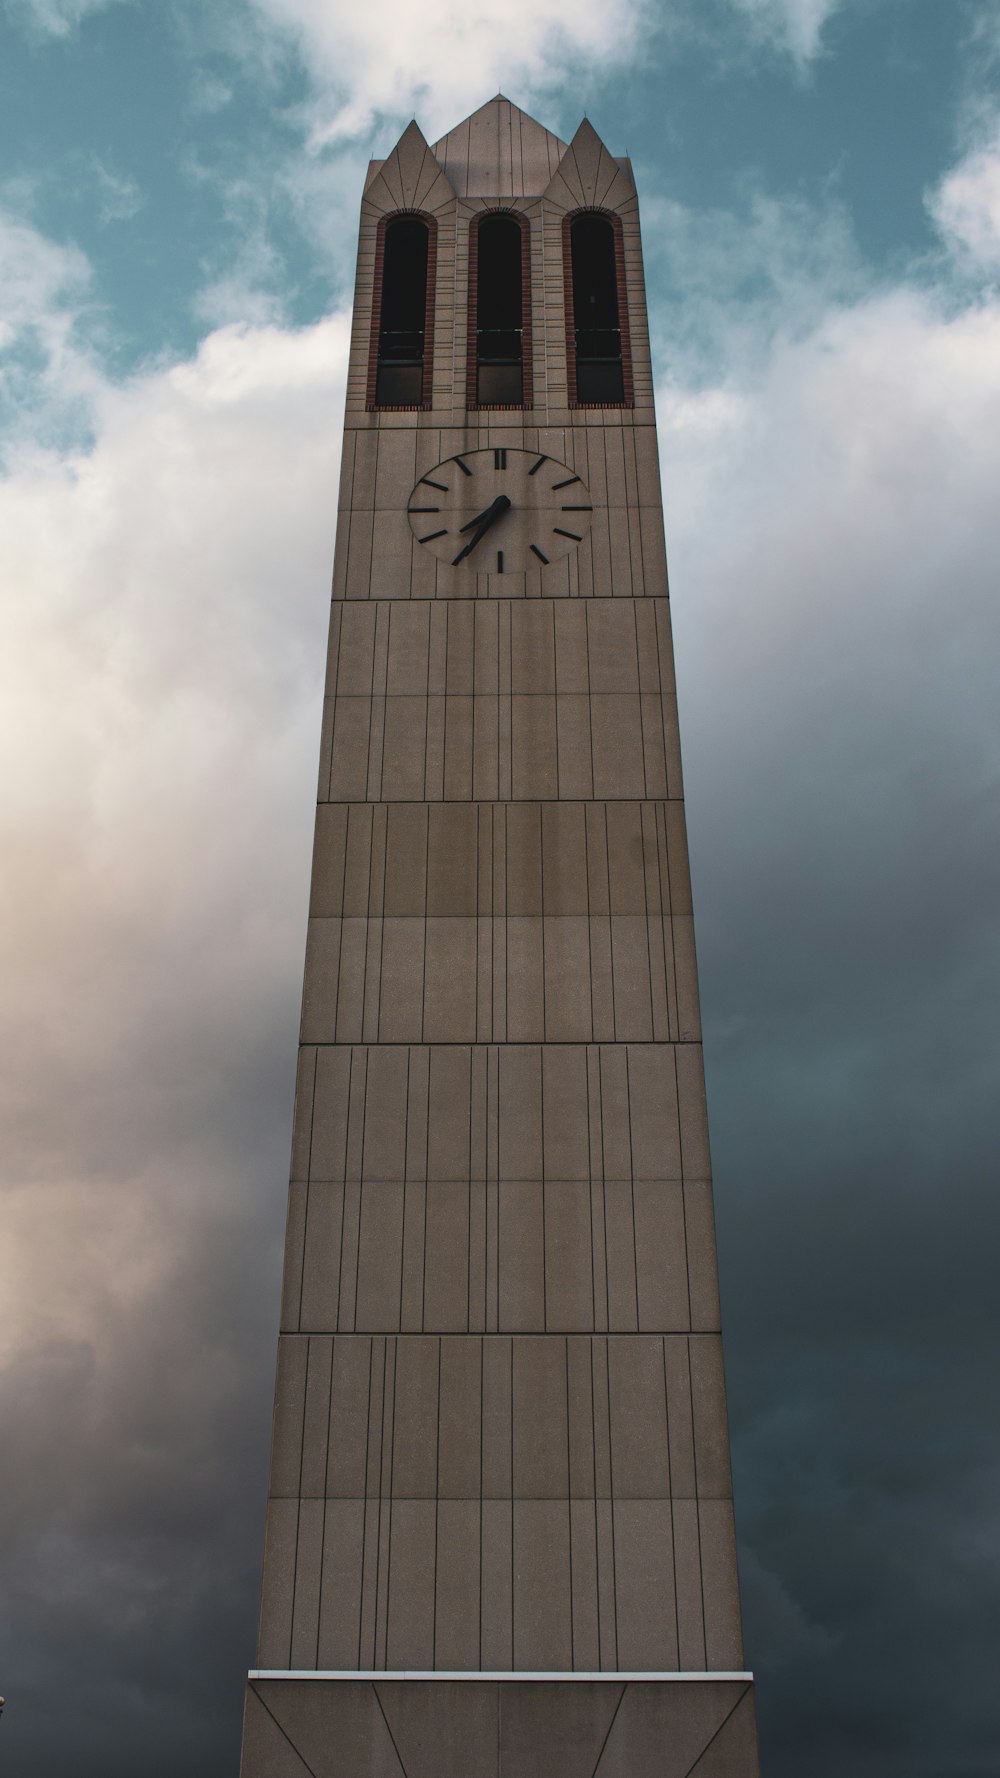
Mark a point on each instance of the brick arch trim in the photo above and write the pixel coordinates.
(623, 316)
(527, 380)
(427, 380)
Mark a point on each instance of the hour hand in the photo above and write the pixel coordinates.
(500, 505)
(496, 507)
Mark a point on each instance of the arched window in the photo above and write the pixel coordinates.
(597, 338)
(402, 314)
(499, 323)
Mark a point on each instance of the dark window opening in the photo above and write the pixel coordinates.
(499, 313)
(596, 321)
(402, 320)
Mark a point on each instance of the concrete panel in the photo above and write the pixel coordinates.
(350, 1388)
(442, 1730)
(520, 1081)
(543, 1637)
(541, 1440)
(385, 1113)
(687, 1582)
(702, 1273)
(397, 969)
(308, 1576)
(316, 1420)
(680, 1425)
(661, 1255)
(278, 1585)
(662, 1731)
(564, 855)
(532, 647)
(708, 1402)
(564, 1096)
(616, 727)
(611, 646)
(498, 1362)
(569, 1259)
(523, 860)
(380, 1258)
(555, 1731)
(521, 1266)
(459, 1471)
(446, 1273)
(267, 1751)
(644, 1585)
(720, 1587)
(497, 1585)
(576, 753)
(449, 997)
(289, 1408)
(448, 1113)
(361, 1741)
(412, 1556)
(457, 1605)
(320, 1304)
(639, 1452)
(533, 747)
(452, 858)
(415, 1419)
(406, 848)
(568, 1002)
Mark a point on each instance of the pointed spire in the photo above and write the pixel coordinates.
(589, 175)
(411, 178)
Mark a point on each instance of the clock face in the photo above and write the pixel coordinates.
(500, 511)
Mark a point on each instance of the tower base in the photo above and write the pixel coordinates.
(488, 1725)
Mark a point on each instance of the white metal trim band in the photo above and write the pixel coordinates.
(382, 1673)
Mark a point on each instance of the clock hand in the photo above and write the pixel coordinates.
(500, 505)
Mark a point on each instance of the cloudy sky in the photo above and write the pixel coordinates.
(820, 183)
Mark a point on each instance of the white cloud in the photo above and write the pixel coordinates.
(795, 26)
(40, 281)
(833, 532)
(159, 689)
(47, 377)
(394, 59)
(119, 197)
(966, 206)
(55, 18)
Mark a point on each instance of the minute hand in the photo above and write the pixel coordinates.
(500, 505)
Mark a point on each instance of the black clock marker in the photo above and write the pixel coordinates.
(442, 485)
(570, 479)
(535, 467)
(537, 552)
(499, 561)
(414, 509)
(577, 509)
(561, 533)
(464, 467)
(431, 536)
(499, 459)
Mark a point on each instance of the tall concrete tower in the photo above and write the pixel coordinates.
(500, 1533)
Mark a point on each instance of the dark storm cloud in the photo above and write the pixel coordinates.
(843, 804)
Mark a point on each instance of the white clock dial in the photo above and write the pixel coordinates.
(499, 511)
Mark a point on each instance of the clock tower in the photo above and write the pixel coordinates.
(499, 1533)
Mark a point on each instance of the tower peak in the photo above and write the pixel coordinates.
(499, 151)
